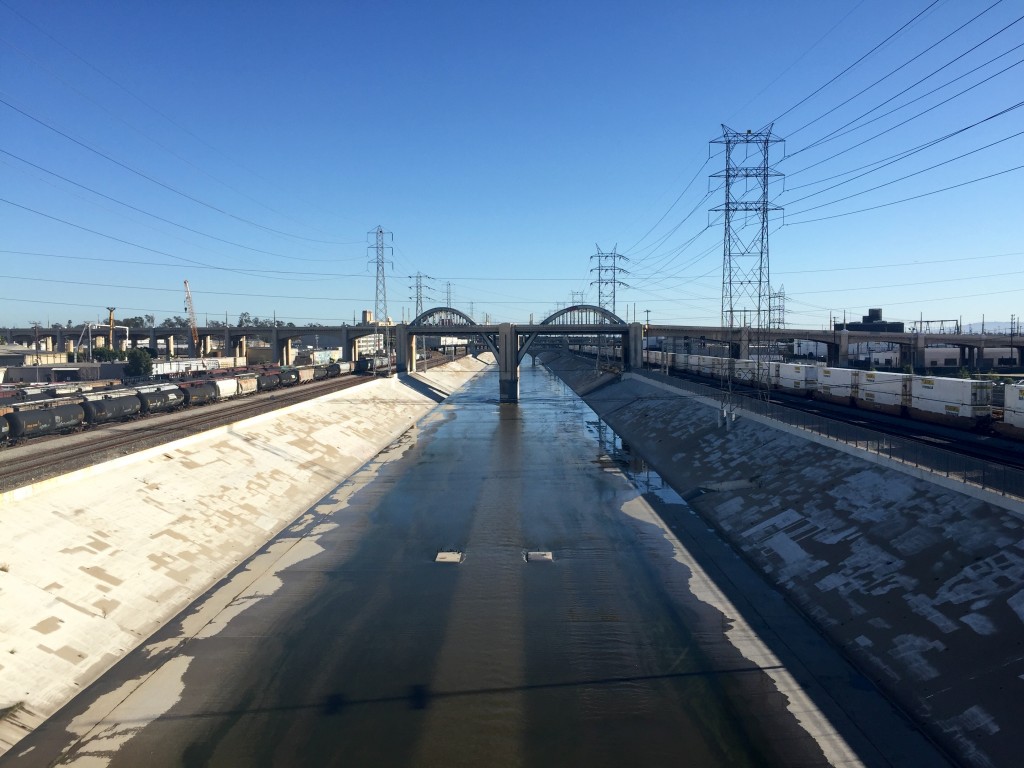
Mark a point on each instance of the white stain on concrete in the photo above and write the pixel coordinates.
(114, 718)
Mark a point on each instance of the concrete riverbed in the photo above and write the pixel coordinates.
(642, 638)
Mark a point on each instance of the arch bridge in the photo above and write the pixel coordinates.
(511, 342)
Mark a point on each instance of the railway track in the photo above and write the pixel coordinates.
(41, 458)
(990, 448)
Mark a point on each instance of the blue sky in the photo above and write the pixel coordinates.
(249, 147)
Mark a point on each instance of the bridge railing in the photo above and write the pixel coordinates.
(1006, 481)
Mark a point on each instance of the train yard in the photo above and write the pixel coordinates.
(27, 460)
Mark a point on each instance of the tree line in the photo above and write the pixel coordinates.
(245, 320)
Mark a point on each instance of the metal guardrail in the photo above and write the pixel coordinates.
(1006, 481)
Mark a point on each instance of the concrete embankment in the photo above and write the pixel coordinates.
(921, 585)
(93, 562)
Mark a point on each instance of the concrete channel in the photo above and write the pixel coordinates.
(502, 585)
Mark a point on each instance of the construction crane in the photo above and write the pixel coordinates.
(192, 320)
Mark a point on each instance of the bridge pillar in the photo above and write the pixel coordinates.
(919, 353)
(347, 355)
(741, 351)
(283, 349)
(170, 347)
(844, 348)
(633, 347)
(508, 364)
(405, 354)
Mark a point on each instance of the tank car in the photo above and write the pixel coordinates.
(160, 400)
(115, 408)
(200, 393)
(45, 421)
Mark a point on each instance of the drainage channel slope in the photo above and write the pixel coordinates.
(920, 585)
(93, 562)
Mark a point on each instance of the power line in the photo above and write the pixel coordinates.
(151, 107)
(840, 132)
(893, 181)
(892, 72)
(904, 154)
(161, 184)
(904, 200)
(854, 64)
(155, 216)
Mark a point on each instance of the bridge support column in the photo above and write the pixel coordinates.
(742, 350)
(508, 364)
(633, 348)
(405, 354)
(919, 353)
(345, 346)
(170, 347)
(844, 349)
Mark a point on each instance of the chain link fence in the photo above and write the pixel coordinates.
(1004, 480)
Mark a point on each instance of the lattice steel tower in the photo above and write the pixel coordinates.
(745, 272)
(608, 271)
(777, 308)
(381, 307)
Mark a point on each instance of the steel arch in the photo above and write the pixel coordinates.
(593, 309)
(445, 313)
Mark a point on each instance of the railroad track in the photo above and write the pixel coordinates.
(41, 458)
(993, 449)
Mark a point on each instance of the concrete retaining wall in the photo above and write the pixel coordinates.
(921, 585)
(93, 562)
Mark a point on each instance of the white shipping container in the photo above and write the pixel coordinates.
(1013, 407)
(743, 370)
(226, 388)
(931, 393)
(838, 382)
(883, 388)
(794, 375)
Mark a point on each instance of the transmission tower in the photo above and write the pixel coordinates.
(608, 271)
(448, 294)
(419, 291)
(745, 271)
(418, 297)
(777, 308)
(381, 306)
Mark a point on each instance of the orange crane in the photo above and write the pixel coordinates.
(192, 320)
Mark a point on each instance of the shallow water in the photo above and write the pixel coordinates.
(368, 652)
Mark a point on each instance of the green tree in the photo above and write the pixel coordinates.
(106, 355)
(139, 363)
(134, 322)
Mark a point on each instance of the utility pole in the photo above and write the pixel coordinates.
(381, 305)
(745, 270)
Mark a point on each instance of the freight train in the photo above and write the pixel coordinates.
(30, 412)
(961, 403)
